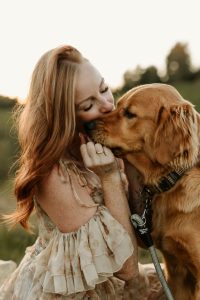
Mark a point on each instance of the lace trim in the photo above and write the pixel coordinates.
(65, 176)
(75, 262)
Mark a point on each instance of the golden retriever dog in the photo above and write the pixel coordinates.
(157, 131)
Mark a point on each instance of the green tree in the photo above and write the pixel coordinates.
(150, 75)
(178, 63)
(135, 77)
(131, 78)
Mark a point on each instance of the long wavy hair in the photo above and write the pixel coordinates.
(46, 125)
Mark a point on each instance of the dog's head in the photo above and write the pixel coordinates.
(153, 120)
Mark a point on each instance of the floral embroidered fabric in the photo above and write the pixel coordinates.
(77, 265)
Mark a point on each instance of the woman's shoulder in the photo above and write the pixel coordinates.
(68, 204)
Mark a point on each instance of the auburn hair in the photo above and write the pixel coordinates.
(46, 125)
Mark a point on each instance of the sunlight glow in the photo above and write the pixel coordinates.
(114, 35)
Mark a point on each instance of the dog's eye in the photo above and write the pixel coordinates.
(128, 114)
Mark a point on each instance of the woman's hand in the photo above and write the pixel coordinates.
(98, 158)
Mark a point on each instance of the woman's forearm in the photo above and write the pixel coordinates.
(116, 201)
(103, 163)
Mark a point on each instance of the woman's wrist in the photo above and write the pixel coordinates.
(110, 176)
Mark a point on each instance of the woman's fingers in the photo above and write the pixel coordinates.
(82, 138)
(91, 153)
(97, 151)
(91, 150)
(86, 157)
(107, 152)
(99, 148)
(96, 156)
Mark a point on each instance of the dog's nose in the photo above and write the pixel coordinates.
(89, 126)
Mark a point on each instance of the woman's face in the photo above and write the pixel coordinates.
(93, 97)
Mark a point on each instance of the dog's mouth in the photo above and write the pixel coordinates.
(118, 151)
(96, 131)
(99, 138)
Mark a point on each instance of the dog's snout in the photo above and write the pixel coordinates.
(90, 126)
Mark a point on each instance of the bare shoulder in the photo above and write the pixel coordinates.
(58, 200)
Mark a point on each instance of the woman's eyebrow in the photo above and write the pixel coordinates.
(102, 81)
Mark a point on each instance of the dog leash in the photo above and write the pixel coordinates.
(142, 224)
(143, 231)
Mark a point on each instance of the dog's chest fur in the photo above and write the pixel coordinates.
(176, 220)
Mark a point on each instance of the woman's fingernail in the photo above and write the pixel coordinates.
(89, 139)
(82, 138)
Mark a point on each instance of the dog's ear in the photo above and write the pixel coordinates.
(173, 137)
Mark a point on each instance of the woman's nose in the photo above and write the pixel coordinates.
(105, 106)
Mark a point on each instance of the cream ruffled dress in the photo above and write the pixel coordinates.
(76, 265)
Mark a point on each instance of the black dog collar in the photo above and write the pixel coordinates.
(164, 184)
(148, 191)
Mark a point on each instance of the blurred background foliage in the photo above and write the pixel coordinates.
(179, 72)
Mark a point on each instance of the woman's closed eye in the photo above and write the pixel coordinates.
(104, 90)
(88, 107)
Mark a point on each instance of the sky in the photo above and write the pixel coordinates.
(115, 35)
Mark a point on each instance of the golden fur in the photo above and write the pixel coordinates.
(157, 131)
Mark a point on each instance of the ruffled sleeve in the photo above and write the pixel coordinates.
(76, 262)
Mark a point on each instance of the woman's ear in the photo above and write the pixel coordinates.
(175, 133)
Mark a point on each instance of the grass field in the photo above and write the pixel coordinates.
(12, 242)
(190, 91)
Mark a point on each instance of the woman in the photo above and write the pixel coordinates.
(86, 248)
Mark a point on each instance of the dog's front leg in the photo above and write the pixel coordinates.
(179, 279)
(197, 290)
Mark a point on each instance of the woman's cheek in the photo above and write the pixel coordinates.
(86, 117)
